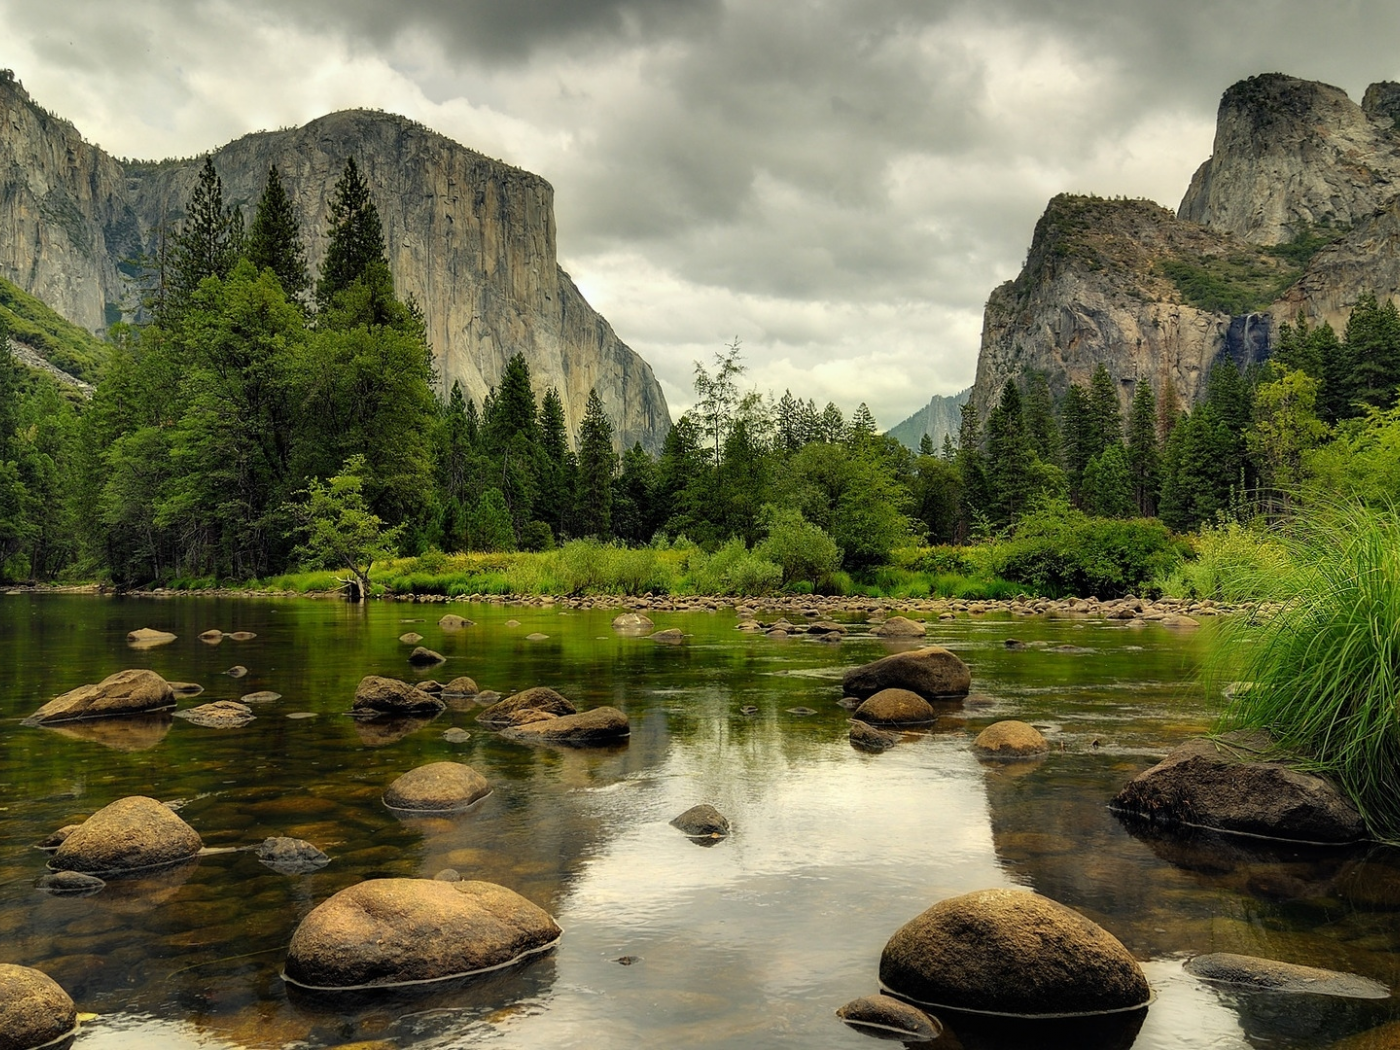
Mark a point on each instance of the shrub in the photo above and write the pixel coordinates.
(800, 549)
(733, 569)
(1231, 563)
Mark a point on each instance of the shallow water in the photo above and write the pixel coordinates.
(753, 942)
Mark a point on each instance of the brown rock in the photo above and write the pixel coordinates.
(186, 688)
(34, 1010)
(56, 839)
(670, 636)
(632, 621)
(126, 692)
(241, 636)
(411, 638)
(1216, 784)
(540, 698)
(888, 1014)
(933, 672)
(129, 835)
(702, 821)
(438, 786)
(601, 725)
(525, 715)
(453, 622)
(423, 657)
(900, 627)
(1011, 952)
(866, 736)
(212, 637)
(462, 686)
(896, 707)
(1010, 739)
(222, 714)
(387, 932)
(237, 671)
(391, 696)
(1272, 976)
(262, 696)
(429, 686)
(289, 856)
(148, 638)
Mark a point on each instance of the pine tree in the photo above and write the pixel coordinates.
(862, 427)
(634, 497)
(1010, 459)
(1108, 484)
(926, 443)
(1041, 427)
(972, 472)
(597, 463)
(791, 426)
(356, 236)
(949, 452)
(1168, 411)
(556, 489)
(1076, 436)
(274, 241)
(1373, 348)
(208, 243)
(1142, 449)
(833, 424)
(1105, 419)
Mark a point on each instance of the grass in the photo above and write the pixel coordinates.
(1229, 563)
(56, 339)
(1324, 673)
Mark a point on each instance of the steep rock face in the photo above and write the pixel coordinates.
(1093, 291)
(942, 415)
(1291, 153)
(471, 238)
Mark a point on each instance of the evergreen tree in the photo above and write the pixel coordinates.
(1142, 450)
(490, 527)
(208, 242)
(971, 465)
(948, 452)
(1041, 427)
(862, 426)
(274, 240)
(1105, 419)
(1108, 484)
(926, 444)
(597, 463)
(678, 476)
(792, 426)
(833, 424)
(556, 473)
(356, 236)
(1010, 459)
(1168, 411)
(634, 497)
(1373, 349)
(1077, 436)
(513, 412)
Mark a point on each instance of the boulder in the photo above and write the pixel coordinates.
(453, 622)
(1010, 739)
(437, 787)
(34, 1010)
(887, 1014)
(702, 822)
(826, 627)
(456, 736)
(376, 695)
(1268, 975)
(222, 714)
(896, 707)
(241, 636)
(388, 932)
(670, 636)
(212, 637)
(462, 686)
(289, 856)
(129, 835)
(424, 657)
(429, 686)
(864, 735)
(123, 693)
(632, 621)
(186, 688)
(1011, 952)
(411, 638)
(601, 725)
(900, 627)
(148, 638)
(70, 884)
(262, 696)
(237, 671)
(524, 716)
(539, 698)
(933, 672)
(1217, 784)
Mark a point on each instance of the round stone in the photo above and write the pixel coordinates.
(437, 787)
(1010, 739)
(34, 1010)
(129, 835)
(896, 707)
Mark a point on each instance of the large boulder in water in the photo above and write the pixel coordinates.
(129, 835)
(1011, 952)
(601, 725)
(1217, 784)
(895, 707)
(900, 627)
(437, 787)
(148, 638)
(540, 698)
(1010, 739)
(387, 932)
(389, 696)
(124, 693)
(933, 672)
(34, 1010)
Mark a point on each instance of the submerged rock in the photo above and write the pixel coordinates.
(888, 1014)
(1010, 739)
(437, 787)
(186, 688)
(453, 622)
(289, 856)
(1268, 975)
(123, 693)
(378, 695)
(462, 686)
(131, 834)
(1219, 785)
(1011, 952)
(896, 707)
(222, 714)
(237, 671)
(933, 672)
(262, 696)
(211, 637)
(601, 725)
(56, 839)
(702, 821)
(148, 638)
(423, 657)
(387, 932)
(456, 736)
(34, 1010)
(538, 698)
(70, 884)
(632, 621)
(241, 636)
(866, 736)
(670, 636)
(900, 627)
(410, 638)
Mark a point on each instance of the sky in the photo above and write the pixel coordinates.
(838, 184)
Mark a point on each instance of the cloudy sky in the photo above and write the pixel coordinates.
(838, 183)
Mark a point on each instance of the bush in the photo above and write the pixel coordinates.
(1231, 563)
(1323, 675)
(800, 549)
(1060, 551)
(733, 569)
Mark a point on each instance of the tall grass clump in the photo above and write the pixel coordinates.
(1323, 675)
(1230, 563)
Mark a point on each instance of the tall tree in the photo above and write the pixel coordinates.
(208, 242)
(1373, 347)
(971, 464)
(1077, 436)
(1010, 458)
(557, 468)
(1105, 420)
(833, 423)
(1142, 449)
(1041, 427)
(597, 464)
(356, 236)
(274, 239)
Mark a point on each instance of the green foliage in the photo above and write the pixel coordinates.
(337, 527)
(356, 236)
(57, 340)
(1228, 562)
(1230, 284)
(208, 243)
(274, 239)
(1060, 551)
(733, 569)
(1322, 674)
(1307, 242)
(799, 548)
(597, 465)
(1107, 487)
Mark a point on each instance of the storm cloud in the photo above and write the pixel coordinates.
(839, 183)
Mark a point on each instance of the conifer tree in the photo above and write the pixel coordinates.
(833, 424)
(791, 425)
(556, 483)
(972, 471)
(1168, 411)
(1373, 348)
(1142, 449)
(274, 240)
(1108, 484)
(208, 242)
(1076, 436)
(356, 236)
(862, 427)
(597, 464)
(513, 412)
(1105, 419)
(1041, 427)
(926, 443)
(1010, 459)
(634, 497)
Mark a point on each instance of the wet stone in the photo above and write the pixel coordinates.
(222, 714)
(1245, 971)
(289, 856)
(867, 737)
(34, 1010)
(56, 839)
(456, 736)
(424, 657)
(237, 671)
(1010, 739)
(887, 1014)
(670, 636)
(70, 884)
(437, 787)
(262, 696)
(702, 821)
(410, 638)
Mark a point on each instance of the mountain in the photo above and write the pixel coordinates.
(1297, 211)
(470, 238)
(939, 418)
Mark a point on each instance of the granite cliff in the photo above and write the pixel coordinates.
(941, 416)
(471, 238)
(1297, 211)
